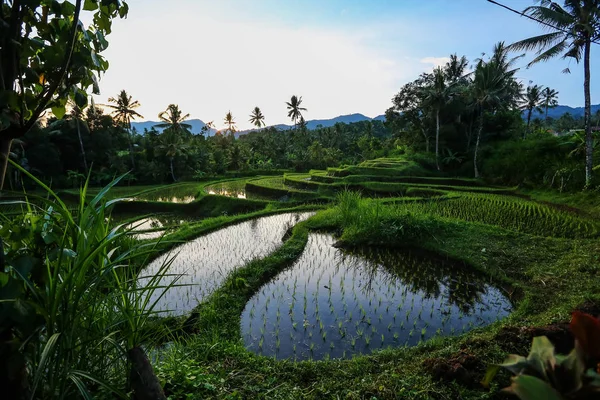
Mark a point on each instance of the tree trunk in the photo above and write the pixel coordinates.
(426, 140)
(144, 383)
(589, 162)
(130, 144)
(437, 139)
(85, 164)
(528, 122)
(4, 154)
(172, 170)
(469, 134)
(477, 144)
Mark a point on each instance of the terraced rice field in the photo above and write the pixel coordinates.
(200, 266)
(336, 304)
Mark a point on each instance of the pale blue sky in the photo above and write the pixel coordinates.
(341, 56)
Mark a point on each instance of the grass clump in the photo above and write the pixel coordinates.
(72, 313)
(368, 221)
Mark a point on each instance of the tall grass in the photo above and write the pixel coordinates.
(71, 309)
(368, 221)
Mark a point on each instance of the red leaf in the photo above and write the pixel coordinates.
(586, 330)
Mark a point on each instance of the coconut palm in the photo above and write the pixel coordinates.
(257, 118)
(230, 122)
(532, 102)
(436, 97)
(574, 26)
(493, 88)
(172, 145)
(207, 127)
(294, 109)
(455, 69)
(173, 119)
(76, 115)
(123, 112)
(550, 99)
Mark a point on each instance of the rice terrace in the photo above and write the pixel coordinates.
(446, 248)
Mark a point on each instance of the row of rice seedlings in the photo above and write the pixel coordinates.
(201, 265)
(512, 213)
(331, 304)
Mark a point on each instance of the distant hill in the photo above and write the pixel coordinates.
(326, 123)
(197, 124)
(559, 110)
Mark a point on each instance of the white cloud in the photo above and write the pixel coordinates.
(435, 61)
(210, 65)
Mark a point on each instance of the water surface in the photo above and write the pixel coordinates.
(202, 265)
(334, 303)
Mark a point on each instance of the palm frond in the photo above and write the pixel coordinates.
(538, 42)
(550, 53)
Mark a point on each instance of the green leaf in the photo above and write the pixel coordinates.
(80, 99)
(90, 5)
(528, 387)
(3, 278)
(59, 111)
(541, 357)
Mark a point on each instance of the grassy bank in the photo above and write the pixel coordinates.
(551, 275)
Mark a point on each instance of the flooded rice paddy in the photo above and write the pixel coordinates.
(153, 227)
(334, 303)
(228, 189)
(201, 265)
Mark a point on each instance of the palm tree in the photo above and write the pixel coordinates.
(257, 118)
(294, 109)
(436, 96)
(574, 27)
(230, 122)
(172, 119)
(173, 145)
(532, 101)
(76, 115)
(207, 127)
(172, 138)
(550, 97)
(493, 88)
(124, 111)
(454, 70)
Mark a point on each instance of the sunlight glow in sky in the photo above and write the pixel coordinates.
(342, 57)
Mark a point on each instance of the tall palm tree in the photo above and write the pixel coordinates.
(576, 25)
(76, 115)
(436, 96)
(123, 112)
(230, 122)
(455, 69)
(294, 109)
(172, 141)
(492, 88)
(207, 127)
(533, 100)
(173, 145)
(173, 119)
(257, 118)
(550, 99)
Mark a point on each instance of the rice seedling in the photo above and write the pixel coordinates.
(409, 284)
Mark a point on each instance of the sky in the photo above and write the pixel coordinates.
(341, 56)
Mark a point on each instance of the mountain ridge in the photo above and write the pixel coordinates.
(198, 124)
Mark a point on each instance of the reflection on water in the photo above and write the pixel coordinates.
(240, 194)
(334, 303)
(157, 226)
(203, 264)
